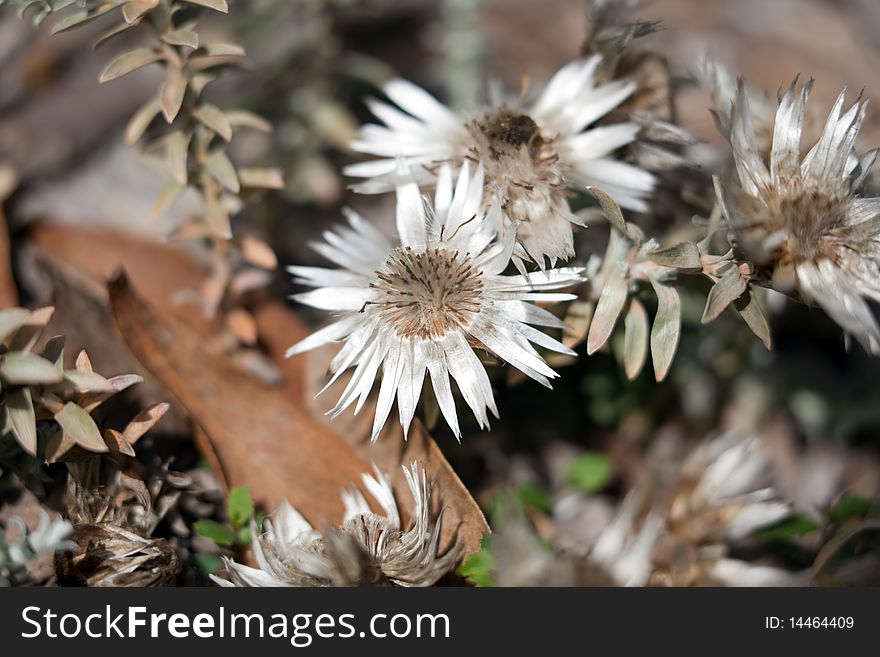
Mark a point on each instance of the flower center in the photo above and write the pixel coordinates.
(425, 293)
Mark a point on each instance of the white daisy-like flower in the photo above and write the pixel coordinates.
(534, 152)
(368, 549)
(423, 306)
(801, 222)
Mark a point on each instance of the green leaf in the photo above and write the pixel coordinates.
(243, 535)
(728, 289)
(221, 169)
(211, 116)
(87, 381)
(217, 532)
(208, 563)
(176, 155)
(22, 419)
(182, 37)
(132, 11)
(239, 506)
(788, 528)
(590, 472)
(666, 329)
(477, 567)
(171, 94)
(218, 49)
(167, 197)
(612, 210)
(128, 62)
(611, 302)
(80, 427)
(684, 256)
(635, 339)
(141, 120)
(12, 319)
(534, 496)
(25, 368)
(750, 310)
(850, 506)
(245, 119)
(216, 5)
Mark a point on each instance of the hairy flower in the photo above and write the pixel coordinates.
(423, 306)
(368, 549)
(801, 222)
(533, 152)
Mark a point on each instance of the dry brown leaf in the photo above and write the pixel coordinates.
(261, 440)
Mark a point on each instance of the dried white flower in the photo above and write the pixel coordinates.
(801, 223)
(724, 491)
(368, 549)
(533, 153)
(426, 304)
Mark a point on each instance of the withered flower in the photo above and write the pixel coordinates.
(369, 549)
(801, 223)
(422, 308)
(533, 153)
(113, 522)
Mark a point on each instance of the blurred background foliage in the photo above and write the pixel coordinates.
(311, 63)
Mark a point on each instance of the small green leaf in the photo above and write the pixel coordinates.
(87, 381)
(635, 339)
(218, 49)
(132, 11)
(534, 496)
(182, 37)
(239, 506)
(666, 329)
(850, 506)
(217, 532)
(216, 5)
(141, 120)
(171, 94)
(684, 256)
(611, 302)
(176, 155)
(243, 535)
(167, 197)
(788, 528)
(245, 119)
(12, 319)
(128, 62)
(728, 289)
(207, 563)
(590, 472)
(612, 210)
(25, 368)
(80, 427)
(22, 419)
(211, 116)
(750, 310)
(221, 169)
(477, 567)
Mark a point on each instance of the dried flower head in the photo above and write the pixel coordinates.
(423, 306)
(722, 495)
(801, 223)
(620, 555)
(533, 153)
(369, 549)
(113, 523)
(23, 545)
